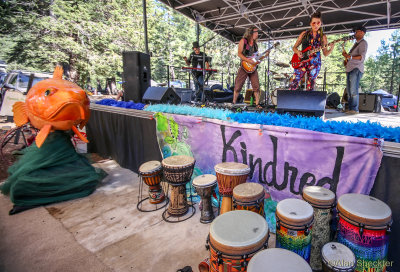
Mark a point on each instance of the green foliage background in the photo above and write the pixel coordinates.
(91, 35)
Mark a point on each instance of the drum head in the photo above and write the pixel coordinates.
(238, 232)
(277, 259)
(250, 191)
(319, 196)
(150, 167)
(339, 256)
(294, 211)
(364, 209)
(178, 161)
(232, 168)
(207, 180)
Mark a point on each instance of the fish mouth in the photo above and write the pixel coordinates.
(71, 110)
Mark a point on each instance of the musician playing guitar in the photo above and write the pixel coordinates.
(247, 47)
(313, 38)
(196, 59)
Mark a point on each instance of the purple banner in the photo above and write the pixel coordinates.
(282, 159)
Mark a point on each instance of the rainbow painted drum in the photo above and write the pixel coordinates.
(151, 173)
(205, 185)
(178, 171)
(323, 201)
(294, 221)
(249, 196)
(364, 224)
(277, 259)
(234, 238)
(229, 175)
(337, 257)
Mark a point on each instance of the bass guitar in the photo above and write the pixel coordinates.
(257, 58)
(308, 53)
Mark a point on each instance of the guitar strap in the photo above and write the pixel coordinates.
(355, 46)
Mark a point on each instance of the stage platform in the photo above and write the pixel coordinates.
(385, 118)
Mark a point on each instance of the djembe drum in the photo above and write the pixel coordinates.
(364, 225)
(277, 259)
(178, 171)
(323, 201)
(249, 196)
(294, 219)
(229, 175)
(151, 173)
(337, 257)
(205, 185)
(234, 238)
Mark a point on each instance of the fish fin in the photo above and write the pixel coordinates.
(20, 115)
(79, 134)
(58, 72)
(42, 135)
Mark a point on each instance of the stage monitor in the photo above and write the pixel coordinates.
(161, 95)
(307, 103)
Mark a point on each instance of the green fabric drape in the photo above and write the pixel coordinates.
(53, 173)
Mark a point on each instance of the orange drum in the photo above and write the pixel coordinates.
(249, 196)
(234, 238)
(178, 171)
(151, 173)
(229, 175)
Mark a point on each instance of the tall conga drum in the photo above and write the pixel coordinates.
(234, 238)
(229, 175)
(205, 185)
(249, 196)
(323, 201)
(294, 221)
(277, 260)
(364, 224)
(337, 257)
(178, 171)
(151, 173)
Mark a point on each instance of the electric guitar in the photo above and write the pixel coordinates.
(308, 53)
(250, 68)
(345, 59)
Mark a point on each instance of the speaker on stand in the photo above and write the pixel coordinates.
(137, 75)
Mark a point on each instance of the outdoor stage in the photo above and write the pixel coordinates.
(132, 137)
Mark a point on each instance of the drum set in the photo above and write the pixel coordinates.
(238, 236)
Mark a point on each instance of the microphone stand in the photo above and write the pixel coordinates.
(266, 103)
(204, 66)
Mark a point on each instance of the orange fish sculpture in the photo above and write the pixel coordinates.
(53, 104)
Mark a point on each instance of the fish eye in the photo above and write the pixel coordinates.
(47, 92)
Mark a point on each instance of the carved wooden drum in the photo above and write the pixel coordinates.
(294, 220)
(277, 259)
(178, 171)
(249, 196)
(323, 201)
(364, 226)
(205, 185)
(229, 175)
(234, 238)
(337, 257)
(151, 173)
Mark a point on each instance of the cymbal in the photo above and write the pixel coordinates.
(282, 64)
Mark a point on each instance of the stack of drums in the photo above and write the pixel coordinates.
(229, 175)
(364, 224)
(178, 171)
(323, 201)
(294, 221)
(205, 185)
(337, 258)
(277, 259)
(249, 196)
(151, 173)
(234, 239)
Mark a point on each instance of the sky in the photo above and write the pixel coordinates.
(374, 38)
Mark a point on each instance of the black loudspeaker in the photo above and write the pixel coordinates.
(333, 100)
(308, 103)
(185, 94)
(369, 102)
(137, 75)
(161, 95)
